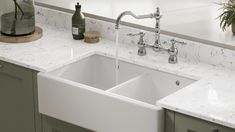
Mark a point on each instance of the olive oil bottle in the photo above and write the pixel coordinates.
(78, 23)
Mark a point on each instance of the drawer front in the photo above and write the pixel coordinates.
(185, 123)
(226, 129)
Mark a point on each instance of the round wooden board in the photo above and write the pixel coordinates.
(22, 39)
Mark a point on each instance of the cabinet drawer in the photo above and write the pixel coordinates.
(184, 123)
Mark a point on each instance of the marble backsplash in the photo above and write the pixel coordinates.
(193, 52)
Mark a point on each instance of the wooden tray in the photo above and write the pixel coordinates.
(22, 39)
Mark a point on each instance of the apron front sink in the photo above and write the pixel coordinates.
(85, 93)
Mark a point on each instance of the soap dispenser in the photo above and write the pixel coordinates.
(78, 23)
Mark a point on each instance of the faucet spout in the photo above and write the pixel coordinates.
(156, 15)
(118, 20)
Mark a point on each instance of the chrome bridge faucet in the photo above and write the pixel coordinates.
(155, 15)
(157, 46)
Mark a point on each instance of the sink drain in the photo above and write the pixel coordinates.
(177, 82)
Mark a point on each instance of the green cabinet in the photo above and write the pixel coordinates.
(17, 102)
(54, 125)
(176, 122)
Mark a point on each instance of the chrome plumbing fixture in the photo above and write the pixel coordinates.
(141, 43)
(157, 46)
(156, 15)
(172, 50)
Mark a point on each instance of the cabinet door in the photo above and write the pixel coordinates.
(16, 99)
(54, 125)
(169, 121)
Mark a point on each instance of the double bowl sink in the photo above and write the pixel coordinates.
(86, 94)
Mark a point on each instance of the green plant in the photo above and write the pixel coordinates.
(228, 15)
(17, 6)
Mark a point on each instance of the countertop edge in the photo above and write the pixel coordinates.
(206, 118)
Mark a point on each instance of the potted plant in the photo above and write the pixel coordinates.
(227, 18)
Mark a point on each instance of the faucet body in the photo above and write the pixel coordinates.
(157, 16)
(157, 43)
(157, 46)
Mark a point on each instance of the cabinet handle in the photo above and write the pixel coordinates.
(189, 130)
(215, 130)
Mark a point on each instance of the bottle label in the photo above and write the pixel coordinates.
(75, 31)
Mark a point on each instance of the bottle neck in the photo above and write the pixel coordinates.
(78, 9)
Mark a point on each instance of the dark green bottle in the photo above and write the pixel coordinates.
(78, 23)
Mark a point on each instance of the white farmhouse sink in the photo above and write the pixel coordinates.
(84, 93)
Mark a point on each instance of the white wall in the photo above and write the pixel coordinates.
(172, 10)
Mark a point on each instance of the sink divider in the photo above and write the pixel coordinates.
(125, 85)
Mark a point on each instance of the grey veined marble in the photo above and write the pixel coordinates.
(211, 98)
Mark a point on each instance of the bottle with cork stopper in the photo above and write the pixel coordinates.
(78, 23)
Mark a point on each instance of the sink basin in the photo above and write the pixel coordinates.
(96, 71)
(143, 88)
(151, 86)
(85, 94)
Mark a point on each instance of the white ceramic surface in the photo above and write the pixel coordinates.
(151, 86)
(82, 94)
(96, 71)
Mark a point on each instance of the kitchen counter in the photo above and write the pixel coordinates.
(198, 24)
(211, 98)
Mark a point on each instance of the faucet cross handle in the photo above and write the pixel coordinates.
(141, 43)
(141, 34)
(141, 40)
(157, 14)
(174, 41)
(173, 51)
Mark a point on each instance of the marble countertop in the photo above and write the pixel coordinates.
(211, 98)
(199, 23)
